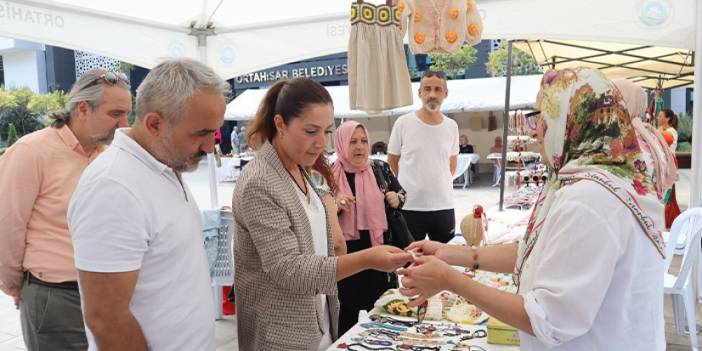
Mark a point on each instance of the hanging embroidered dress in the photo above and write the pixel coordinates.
(377, 67)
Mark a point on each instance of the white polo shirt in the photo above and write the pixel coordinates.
(424, 167)
(130, 212)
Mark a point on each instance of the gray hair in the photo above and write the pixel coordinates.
(86, 90)
(169, 86)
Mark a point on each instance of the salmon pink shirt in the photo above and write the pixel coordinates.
(38, 175)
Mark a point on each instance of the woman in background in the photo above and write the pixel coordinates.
(668, 122)
(363, 188)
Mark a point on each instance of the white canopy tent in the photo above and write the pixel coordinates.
(660, 23)
(484, 94)
(236, 37)
(645, 65)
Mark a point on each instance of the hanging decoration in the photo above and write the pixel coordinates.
(440, 26)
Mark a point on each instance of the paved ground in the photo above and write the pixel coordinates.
(479, 193)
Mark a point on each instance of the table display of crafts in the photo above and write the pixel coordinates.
(445, 322)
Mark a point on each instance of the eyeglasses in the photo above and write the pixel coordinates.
(110, 78)
(480, 333)
(389, 320)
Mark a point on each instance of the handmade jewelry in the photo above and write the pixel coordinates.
(374, 325)
(389, 320)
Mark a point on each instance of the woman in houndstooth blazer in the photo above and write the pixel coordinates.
(286, 272)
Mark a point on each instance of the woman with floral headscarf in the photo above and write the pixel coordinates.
(590, 266)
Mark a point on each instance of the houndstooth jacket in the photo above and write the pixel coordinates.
(278, 275)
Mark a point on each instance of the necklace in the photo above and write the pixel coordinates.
(304, 191)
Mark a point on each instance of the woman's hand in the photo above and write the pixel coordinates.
(431, 248)
(426, 277)
(392, 199)
(344, 202)
(386, 258)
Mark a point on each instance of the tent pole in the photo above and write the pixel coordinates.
(696, 178)
(201, 35)
(505, 123)
(212, 173)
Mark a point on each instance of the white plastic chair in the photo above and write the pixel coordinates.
(681, 287)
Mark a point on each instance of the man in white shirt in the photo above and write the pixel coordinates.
(422, 152)
(136, 231)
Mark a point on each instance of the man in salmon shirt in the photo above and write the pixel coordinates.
(38, 175)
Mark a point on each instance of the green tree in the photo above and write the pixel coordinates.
(13, 110)
(522, 62)
(42, 104)
(454, 64)
(11, 135)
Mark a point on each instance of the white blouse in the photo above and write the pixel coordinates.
(317, 217)
(594, 281)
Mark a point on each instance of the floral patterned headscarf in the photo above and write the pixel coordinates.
(589, 136)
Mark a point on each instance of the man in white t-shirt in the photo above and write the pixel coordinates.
(422, 152)
(136, 231)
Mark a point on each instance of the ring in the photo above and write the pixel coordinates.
(343, 201)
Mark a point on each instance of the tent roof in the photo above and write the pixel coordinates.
(249, 36)
(243, 36)
(666, 23)
(643, 64)
(464, 95)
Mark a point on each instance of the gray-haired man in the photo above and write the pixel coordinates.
(38, 175)
(136, 227)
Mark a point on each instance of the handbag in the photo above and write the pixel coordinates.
(398, 233)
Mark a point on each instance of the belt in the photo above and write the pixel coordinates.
(64, 285)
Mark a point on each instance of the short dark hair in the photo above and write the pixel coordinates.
(429, 73)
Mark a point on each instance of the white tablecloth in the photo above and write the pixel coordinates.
(228, 171)
(230, 168)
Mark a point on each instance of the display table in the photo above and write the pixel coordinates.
(228, 171)
(230, 168)
(463, 163)
(354, 335)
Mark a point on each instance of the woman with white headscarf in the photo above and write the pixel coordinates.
(590, 266)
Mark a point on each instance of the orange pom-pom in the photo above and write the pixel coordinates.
(451, 37)
(473, 29)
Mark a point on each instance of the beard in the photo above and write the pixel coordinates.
(432, 106)
(164, 151)
(106, 138)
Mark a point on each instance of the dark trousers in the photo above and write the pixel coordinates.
(361, 290)
(439, 225)
(51, 318)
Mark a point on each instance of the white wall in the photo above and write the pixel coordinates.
(25, 68)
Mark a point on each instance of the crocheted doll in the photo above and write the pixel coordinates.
(474, 226)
